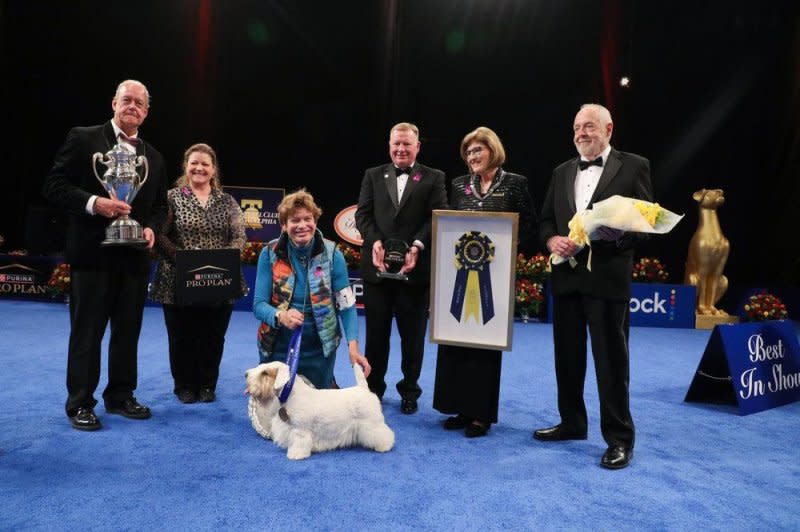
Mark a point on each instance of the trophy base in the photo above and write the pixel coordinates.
(125, 232)
(392, 276)
(133, 242)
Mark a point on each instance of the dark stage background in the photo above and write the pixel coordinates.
(301, 93)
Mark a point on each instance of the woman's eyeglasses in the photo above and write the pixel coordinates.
(474, 151)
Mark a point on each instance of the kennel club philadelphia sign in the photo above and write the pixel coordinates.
(759, 363)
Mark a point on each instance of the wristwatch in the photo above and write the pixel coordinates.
(278, 318)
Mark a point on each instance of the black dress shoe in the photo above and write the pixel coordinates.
(456, 422)
(408, 406)
(129, 408)
(85, 419)
(558, 433)
(616, 457)
(206, 395)
(187, 397)
(476, 430)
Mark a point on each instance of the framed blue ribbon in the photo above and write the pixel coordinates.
(474, 252)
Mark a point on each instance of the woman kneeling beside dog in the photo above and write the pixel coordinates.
(302, 281)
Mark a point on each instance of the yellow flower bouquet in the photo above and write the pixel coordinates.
(617, 212)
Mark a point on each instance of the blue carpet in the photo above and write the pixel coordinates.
(203, 467)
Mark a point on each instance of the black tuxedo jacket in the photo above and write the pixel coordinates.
(625, 174)
(381, 215)
(71, 183)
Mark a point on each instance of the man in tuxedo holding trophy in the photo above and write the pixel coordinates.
(109, 262)
(394, 219)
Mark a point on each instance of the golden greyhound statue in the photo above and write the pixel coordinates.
(708, 253)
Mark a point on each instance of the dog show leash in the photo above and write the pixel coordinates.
(292, 360)
(293, 354)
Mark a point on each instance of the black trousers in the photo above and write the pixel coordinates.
(408, 305)
(196, 342)
(97, 298)
(468, 382)
(608, 323)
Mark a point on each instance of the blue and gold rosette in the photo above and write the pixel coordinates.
(473, 286)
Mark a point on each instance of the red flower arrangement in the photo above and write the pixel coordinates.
(351, 255)
(764, 307)
(528, 298)
(251, 252)
(649, 270)
(535, 269)
(58, 285)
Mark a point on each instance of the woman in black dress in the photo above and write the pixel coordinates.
(468, 379)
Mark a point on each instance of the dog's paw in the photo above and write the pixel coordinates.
(381, 439)
(297, 454)
(385, 445)
(383, 448)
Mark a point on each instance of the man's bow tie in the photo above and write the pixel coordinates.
(583, 165)
(133, 141)
(406, 170)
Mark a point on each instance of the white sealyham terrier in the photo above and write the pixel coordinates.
(313, 420)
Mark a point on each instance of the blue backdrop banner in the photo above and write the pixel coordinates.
(662, 305)
(655, 305)
(260, 209)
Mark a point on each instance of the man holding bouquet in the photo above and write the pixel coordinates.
(597, 296)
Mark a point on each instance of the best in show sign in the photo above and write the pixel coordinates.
(755, 365)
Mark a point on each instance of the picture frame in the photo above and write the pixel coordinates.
(473, 269)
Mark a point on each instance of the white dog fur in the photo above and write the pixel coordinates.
(318, 420)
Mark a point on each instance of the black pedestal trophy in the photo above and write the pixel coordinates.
(394, 256)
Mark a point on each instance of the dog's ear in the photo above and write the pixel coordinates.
(281, 378)
(267, 379)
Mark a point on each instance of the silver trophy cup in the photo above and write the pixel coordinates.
(122, 182)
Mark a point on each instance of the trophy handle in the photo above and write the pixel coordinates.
(95, 157)
(142, 160)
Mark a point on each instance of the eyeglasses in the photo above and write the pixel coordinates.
(477, 150)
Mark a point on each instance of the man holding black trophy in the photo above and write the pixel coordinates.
(394, 219)
(109, 262)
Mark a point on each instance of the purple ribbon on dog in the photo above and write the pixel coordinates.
(292, 360)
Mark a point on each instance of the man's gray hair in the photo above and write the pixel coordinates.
(602, 113)
(133, 82)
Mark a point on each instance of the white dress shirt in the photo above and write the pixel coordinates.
(586, 181)
(402, 181)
